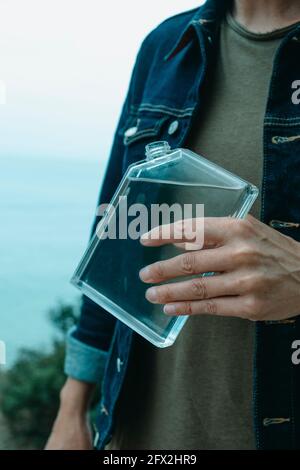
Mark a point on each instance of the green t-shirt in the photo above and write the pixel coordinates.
(198, 393)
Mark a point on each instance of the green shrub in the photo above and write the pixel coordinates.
(29, 391)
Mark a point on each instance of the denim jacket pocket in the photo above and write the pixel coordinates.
(139, 128)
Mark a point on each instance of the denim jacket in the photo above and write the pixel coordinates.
(164, 97)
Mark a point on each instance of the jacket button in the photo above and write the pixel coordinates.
(173, 127)
(131, 131)
(119, 364)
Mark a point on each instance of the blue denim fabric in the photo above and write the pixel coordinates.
(167, 85)
(84, 362)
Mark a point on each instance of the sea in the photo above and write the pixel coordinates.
(46, 211)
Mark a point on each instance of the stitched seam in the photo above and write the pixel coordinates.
(150, 131)
(173, 112)
(282, 124)
(177, 115)
(162, 106)
(145, 133)
(271, 118)
(167, 107)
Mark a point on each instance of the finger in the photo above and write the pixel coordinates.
(207, 232)
(221, 306)
(198, 288)
(187, 264)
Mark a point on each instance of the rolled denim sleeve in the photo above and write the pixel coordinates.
(84, 362)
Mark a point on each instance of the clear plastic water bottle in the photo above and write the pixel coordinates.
(109, 270)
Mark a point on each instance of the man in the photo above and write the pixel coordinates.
(220, 80)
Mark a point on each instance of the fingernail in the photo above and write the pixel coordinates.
(145, 239)
(145, 274)
(151, 294)
(170, 309)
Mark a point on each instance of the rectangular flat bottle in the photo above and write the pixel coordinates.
(109, 271)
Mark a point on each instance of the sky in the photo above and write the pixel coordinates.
(65, 68)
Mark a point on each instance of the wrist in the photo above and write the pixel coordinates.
(75, 397)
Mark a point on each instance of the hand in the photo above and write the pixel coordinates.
(71, 430)
(257, 271)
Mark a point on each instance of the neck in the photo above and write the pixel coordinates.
(263, 16)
